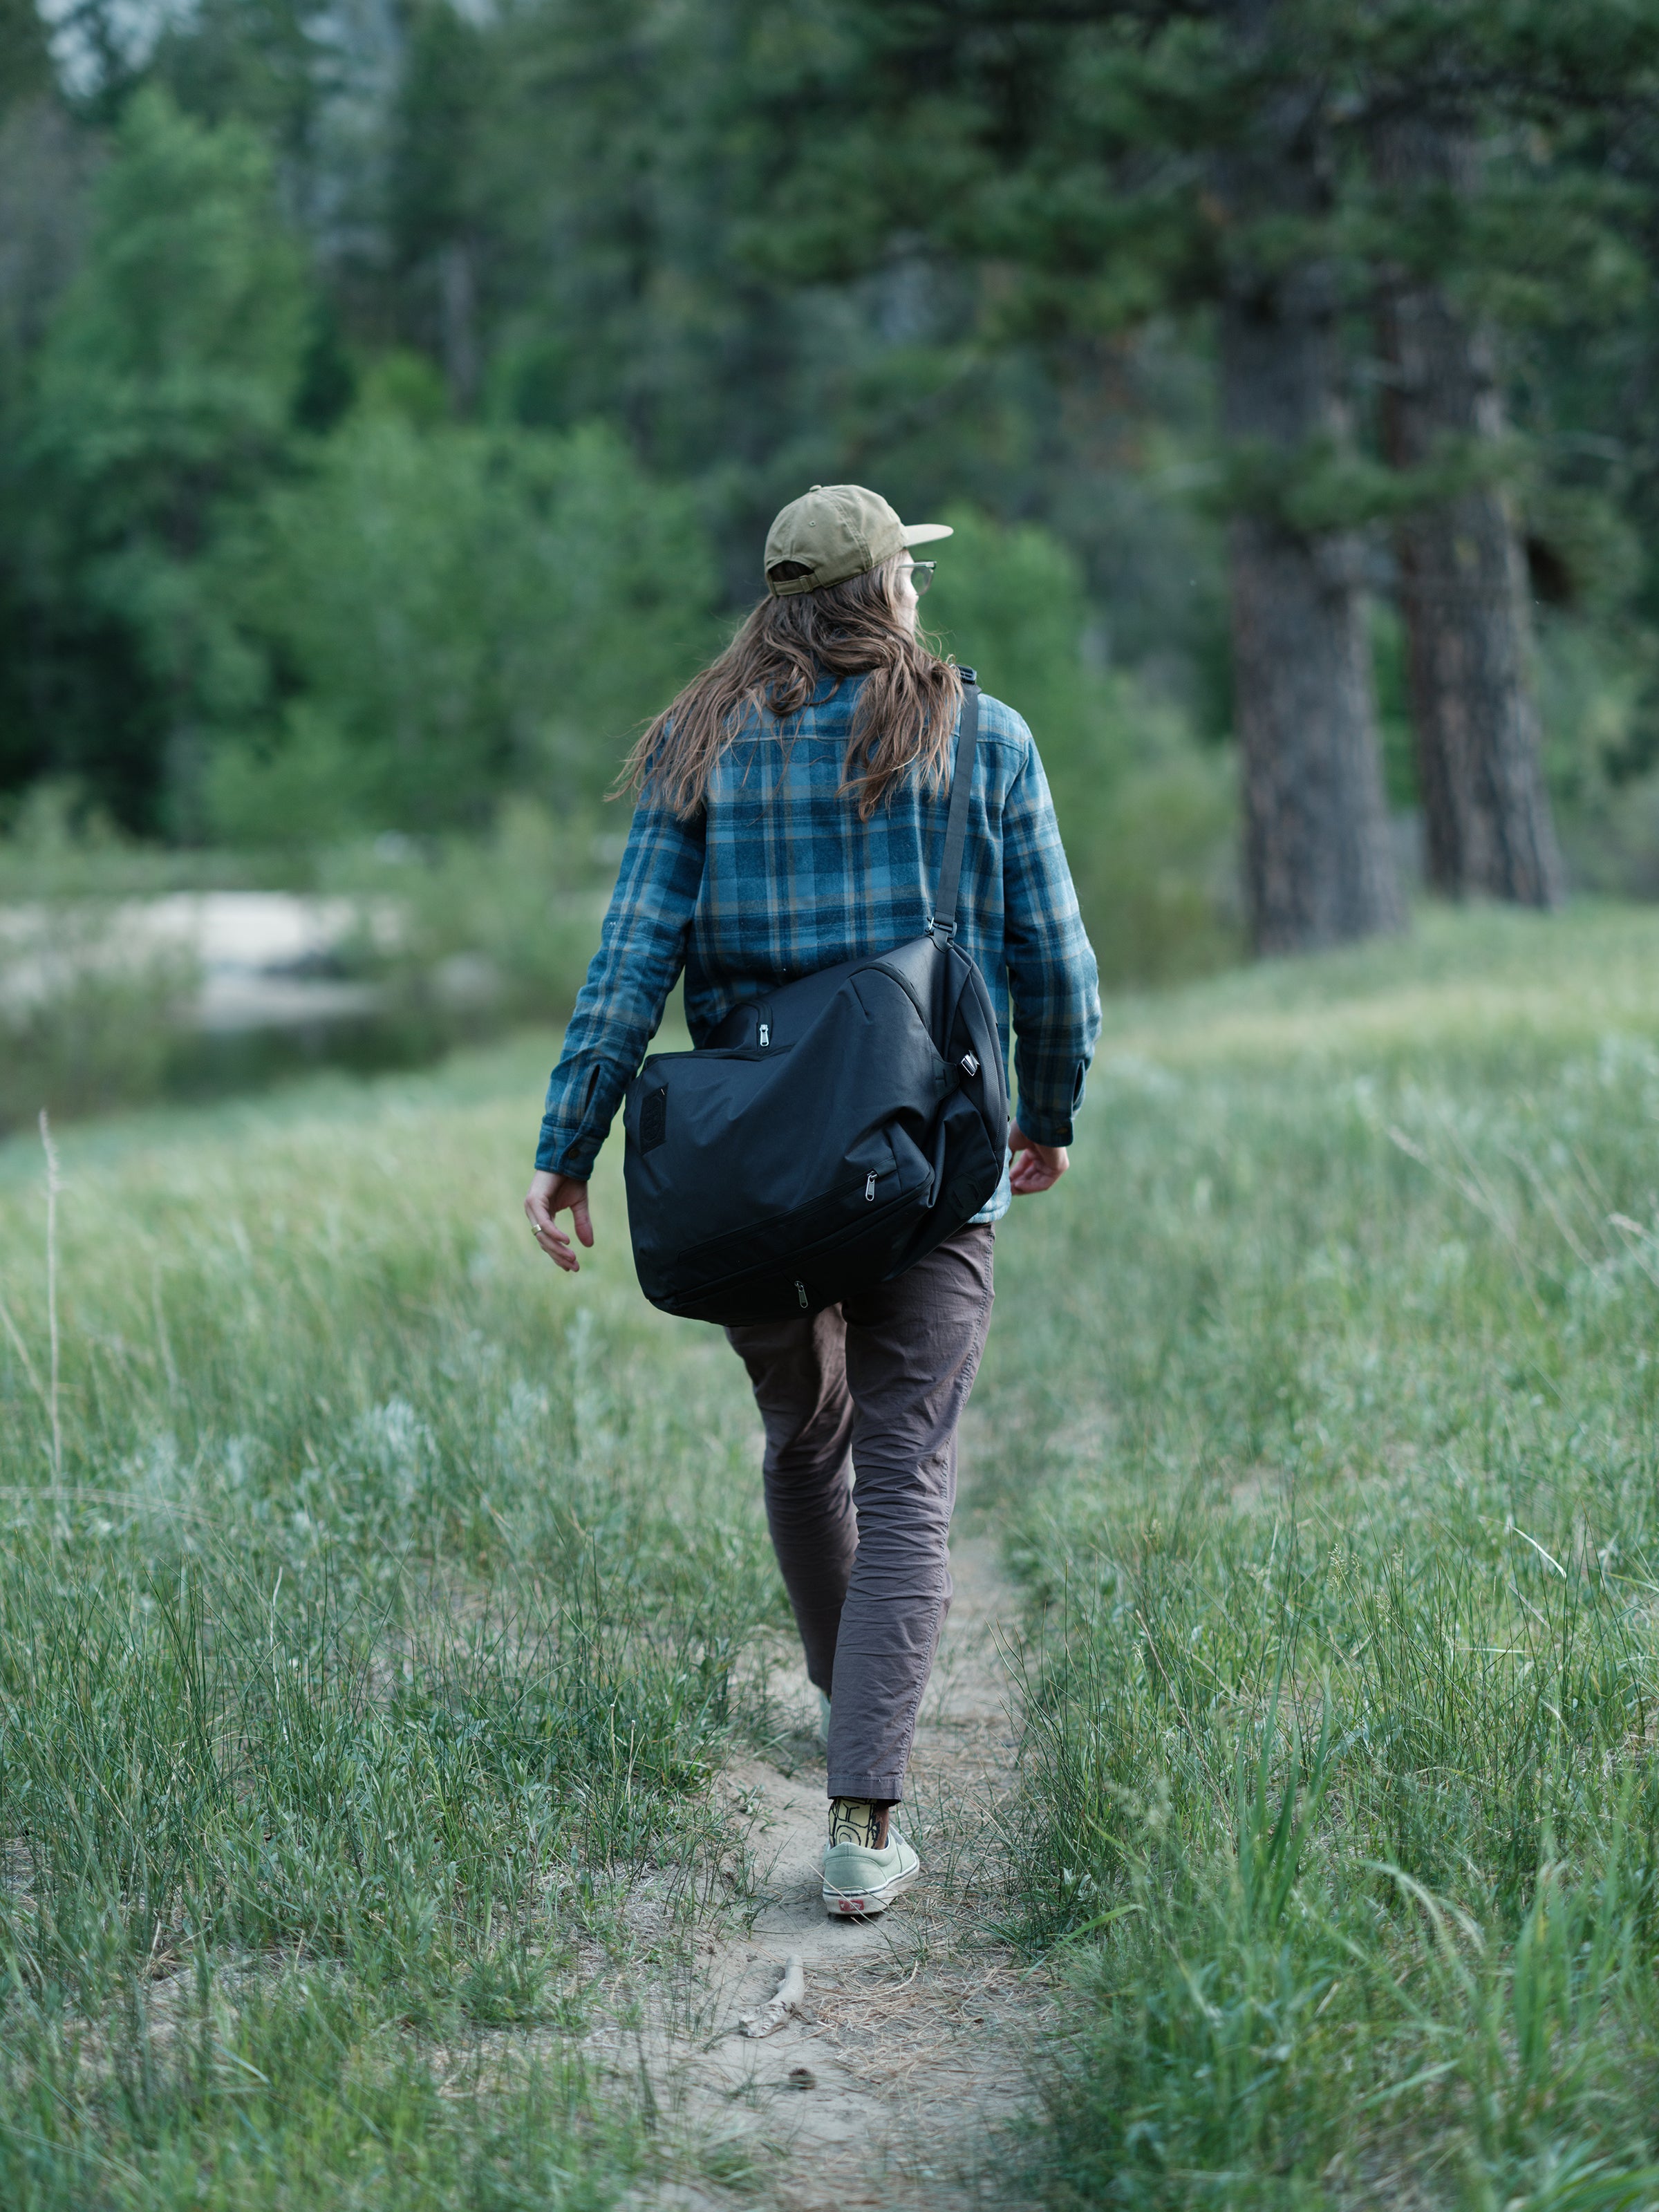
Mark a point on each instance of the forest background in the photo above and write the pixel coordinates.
(393, 398)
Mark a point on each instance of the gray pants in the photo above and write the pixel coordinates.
(867, 1569)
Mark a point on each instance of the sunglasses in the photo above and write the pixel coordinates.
(921, 574)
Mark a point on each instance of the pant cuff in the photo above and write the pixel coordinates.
(886, 1788)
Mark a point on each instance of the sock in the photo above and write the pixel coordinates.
(858, 1821)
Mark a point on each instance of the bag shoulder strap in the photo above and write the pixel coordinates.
(943, 927)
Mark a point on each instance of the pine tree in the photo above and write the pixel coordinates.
(1318, 867)
(1469, 117)
(1110, 163)
(1463, 589)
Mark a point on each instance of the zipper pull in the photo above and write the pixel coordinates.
(870, 1187)
(766, 1033)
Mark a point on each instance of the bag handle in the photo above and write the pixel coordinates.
(943, 927)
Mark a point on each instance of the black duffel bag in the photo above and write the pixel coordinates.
(830, 1134)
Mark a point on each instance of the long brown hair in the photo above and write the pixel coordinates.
(906, 711)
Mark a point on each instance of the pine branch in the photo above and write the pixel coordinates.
(1323, 487)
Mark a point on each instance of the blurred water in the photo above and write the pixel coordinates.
(247, 960)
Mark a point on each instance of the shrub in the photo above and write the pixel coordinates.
(454, 612)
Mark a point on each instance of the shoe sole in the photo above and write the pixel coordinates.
(864, 1904)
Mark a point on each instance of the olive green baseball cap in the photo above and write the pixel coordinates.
(835, 532)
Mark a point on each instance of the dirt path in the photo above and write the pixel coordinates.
(910, 2044)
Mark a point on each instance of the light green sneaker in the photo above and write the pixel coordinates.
(859, 1877)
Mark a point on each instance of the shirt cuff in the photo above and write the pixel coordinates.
(557, 1154)
(1052, 1128)
(1043, 1129)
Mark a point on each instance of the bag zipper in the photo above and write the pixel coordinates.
(870, 1187)
(772, 1268)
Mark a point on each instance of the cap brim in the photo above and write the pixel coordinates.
(923, 533)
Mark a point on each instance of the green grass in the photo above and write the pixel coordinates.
(1328, 1436)
(363, 1664)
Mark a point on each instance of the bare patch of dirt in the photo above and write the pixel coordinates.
(909, 2048)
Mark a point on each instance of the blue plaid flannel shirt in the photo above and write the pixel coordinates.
(777, 877)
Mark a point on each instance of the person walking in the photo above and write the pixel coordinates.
(790, 816)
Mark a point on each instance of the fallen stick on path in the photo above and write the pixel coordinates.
(777, 2008)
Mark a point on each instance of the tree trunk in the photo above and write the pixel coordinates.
(1318, 864)
(458, 302)
(1463, 593)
